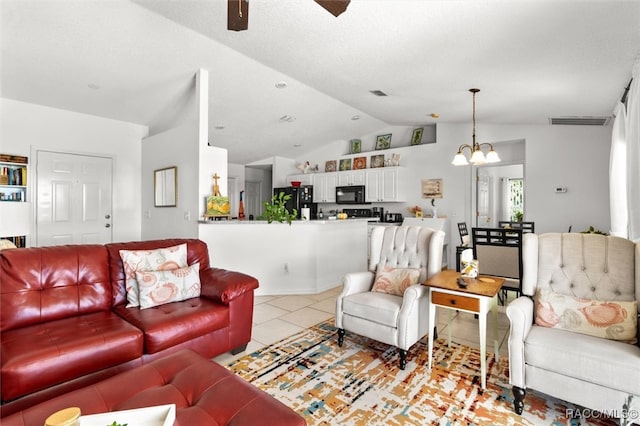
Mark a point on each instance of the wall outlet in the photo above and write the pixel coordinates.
(187, 215)
(147, 214)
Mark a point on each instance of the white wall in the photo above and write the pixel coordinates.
(175, 147)
(25, 126)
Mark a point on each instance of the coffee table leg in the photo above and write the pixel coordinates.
(483, 348)
(432, 325)
(450, 313)
(494, 308)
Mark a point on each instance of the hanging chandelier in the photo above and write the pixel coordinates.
(475, 149)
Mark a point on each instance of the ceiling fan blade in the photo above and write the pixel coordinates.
(335, 7)
(237, 15)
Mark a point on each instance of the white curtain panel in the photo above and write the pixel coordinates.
(633, 156)
(618, 173)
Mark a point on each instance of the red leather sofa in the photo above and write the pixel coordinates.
(204, 392)
(64, 324)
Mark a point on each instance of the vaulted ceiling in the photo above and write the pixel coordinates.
(135, 61)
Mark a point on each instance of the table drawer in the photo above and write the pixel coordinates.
(456, 301)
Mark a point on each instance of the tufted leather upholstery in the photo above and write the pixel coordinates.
(204, 392)
(593, 372)
(50, 283)
(395, 320)
(64, 322)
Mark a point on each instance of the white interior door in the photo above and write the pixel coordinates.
(484, 199)
(73, 199)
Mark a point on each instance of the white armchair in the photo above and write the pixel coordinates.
(554, 358)
(395, 320)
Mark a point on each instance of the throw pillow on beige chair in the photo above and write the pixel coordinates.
(574, 331)
(387, 303)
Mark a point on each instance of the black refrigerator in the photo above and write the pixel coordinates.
(301, 197)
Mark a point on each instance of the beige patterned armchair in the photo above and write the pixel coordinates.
(571, 330)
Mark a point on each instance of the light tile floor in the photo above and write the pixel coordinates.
(277, 317)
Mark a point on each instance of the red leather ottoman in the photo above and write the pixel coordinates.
(204, 392)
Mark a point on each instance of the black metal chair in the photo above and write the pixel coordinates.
(462, 230)
(499, 253)
(464, 242)
(525, 226)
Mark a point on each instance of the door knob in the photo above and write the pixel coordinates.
(108, 225)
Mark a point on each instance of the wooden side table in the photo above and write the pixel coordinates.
(478, 297)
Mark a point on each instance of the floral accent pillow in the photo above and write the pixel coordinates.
(395, 280)
(161, 287)
(149, 260)
(615, 320)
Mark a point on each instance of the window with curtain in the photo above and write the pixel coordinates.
(624, 164)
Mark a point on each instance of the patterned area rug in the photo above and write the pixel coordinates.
(360, 383)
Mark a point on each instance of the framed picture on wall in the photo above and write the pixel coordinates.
(359, 163)
(330, 166)
(355, 146)
(416, 137)
(377, 161)
(345, 164)
(383, 141)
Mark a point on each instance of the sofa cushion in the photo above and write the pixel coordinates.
(42, 355)
(43, 284)
(601, 361)
(614, 320)
(168, 325)
(374, 306)
(160, 259)
(161, 287)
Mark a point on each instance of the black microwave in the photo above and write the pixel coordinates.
(350, 194)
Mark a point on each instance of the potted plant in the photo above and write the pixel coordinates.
(277, 211)
(518, 215)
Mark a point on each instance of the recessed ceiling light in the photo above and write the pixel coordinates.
(281, 84)
(218, 127)
(297, 145)
(435, 115)
(378, 92)
(287, 119)
(93, 86)
(355, 117)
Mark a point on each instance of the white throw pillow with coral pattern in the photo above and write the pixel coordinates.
(161, 287)
(615, 320)
(149, 260)
(395, 281)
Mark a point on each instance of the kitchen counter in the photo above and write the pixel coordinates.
(308, 257)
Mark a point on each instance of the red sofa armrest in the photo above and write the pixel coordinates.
(224, 286)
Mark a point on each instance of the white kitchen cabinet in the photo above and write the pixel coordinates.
(384, 185)
(324, 187)
(354, 177)
(305, 178)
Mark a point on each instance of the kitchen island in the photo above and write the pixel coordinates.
(306, 257)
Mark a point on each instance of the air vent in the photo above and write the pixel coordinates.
(378, 92)
(579, 121)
